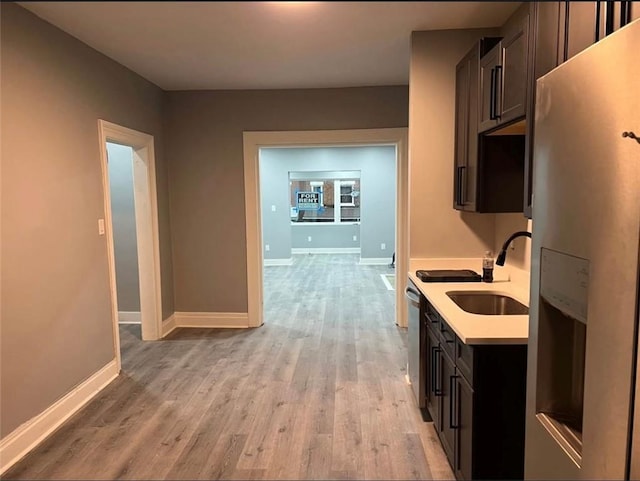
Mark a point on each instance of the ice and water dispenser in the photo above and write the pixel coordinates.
(562, 335)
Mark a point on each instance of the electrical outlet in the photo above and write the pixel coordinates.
(266, 247)
(309, 239)
(100, 226)
(273, 208)
(383, 246)
(355, 237)
(512, 246)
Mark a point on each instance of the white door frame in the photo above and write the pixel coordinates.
(253, 141)
(146, 214)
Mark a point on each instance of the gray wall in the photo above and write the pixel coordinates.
(123, 216)
(56, 313)
(377, 168)
(207, 178)
(324, 236)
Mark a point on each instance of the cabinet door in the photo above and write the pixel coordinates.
(466, 132)
(464, 426)
(447, 413)
(470, 172)
(513, 78)
(461, 132)
(434, 378)
(583, 26)
(547, 51)
(489, 72)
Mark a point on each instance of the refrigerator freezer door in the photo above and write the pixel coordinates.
(587, 205)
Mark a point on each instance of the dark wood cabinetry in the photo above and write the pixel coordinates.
(485, 168)
(490, 66)
(503, 75)
(466, 143)
(476, 398)
(513, 84)
(561, 30)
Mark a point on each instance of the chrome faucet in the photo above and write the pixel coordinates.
(503, 253)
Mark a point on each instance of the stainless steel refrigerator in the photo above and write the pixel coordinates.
(583, 390)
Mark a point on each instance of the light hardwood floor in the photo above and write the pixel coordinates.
(318, 392)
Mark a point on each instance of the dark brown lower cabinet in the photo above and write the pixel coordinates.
(464, 424)
(476, 397)
(447, 409)
(432, 391)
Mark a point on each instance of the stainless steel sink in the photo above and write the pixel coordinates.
(488, 303)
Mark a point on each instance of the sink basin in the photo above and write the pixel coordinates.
(488, 303)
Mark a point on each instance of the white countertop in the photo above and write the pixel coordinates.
(474, 328)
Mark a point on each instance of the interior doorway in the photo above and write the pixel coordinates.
(125, 244)
(254, 141)
(147, 253)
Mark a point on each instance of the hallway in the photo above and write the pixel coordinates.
(318, 392)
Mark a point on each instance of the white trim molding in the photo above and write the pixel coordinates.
(147, 232)
(386, 281)
(129, 317)
(375, 261)
(27, 436)
(253, 141)
(227, 320)
(325, 250)
(168, 325)
(278, 262)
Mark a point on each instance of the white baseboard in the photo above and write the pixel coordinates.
(386, 282)
(232, 320)
(325, 250)
(27, 436)
(375, 261)
(168, 325)
(278, 262)
(129, 317)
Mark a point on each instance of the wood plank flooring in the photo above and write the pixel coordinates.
(318, 392)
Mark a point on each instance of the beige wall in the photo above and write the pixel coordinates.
(507, 224)
(55, 313)
(435, 228)
(204, 149)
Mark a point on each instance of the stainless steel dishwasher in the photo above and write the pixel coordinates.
(417, 345)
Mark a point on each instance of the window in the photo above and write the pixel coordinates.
(333, 199)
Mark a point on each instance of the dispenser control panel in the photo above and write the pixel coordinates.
(564, 282)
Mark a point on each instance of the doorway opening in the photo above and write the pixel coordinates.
(255, 141)
(125, 244)
(128, 171)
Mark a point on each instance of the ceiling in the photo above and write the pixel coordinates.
(264, 45)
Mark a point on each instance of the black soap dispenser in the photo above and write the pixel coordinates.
(487, 267)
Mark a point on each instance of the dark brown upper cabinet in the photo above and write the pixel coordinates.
(559, 31)
(584, 23)
(466, 148)
(503, 75)
(514, 45)
(490, 66)
(488, 170)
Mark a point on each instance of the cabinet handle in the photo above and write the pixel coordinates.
(600, 24)
(496, 95)
(463, 185)
(438, 390)
(625, 14)
(492, 92)
(453, 424)
(459, 185)
(432, 370)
